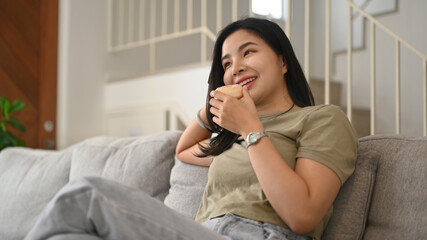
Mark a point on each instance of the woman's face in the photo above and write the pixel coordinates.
(249, 61)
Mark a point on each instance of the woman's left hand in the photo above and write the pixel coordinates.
(236, 115)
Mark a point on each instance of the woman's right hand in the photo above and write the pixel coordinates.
(236, 115)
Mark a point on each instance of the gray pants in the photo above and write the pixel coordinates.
(95, 208)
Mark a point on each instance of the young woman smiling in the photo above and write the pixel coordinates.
(276, 161)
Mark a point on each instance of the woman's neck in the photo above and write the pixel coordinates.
(288, 105)
(281, 103)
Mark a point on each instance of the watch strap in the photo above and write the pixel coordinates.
(254, 137)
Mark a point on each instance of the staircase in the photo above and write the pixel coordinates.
(361, 116)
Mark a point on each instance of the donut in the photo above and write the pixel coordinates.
(234, 90)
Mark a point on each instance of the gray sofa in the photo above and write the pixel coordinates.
(385, 198)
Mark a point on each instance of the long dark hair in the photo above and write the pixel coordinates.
(296, 82)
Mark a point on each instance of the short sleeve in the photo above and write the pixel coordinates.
(328, 138)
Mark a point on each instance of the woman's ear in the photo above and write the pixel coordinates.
(284, 66)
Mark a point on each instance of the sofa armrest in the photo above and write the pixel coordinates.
(29, 178)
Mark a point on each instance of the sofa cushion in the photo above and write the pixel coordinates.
(28, 180)
(352, 203)
(141, 162)
(187, 185)
(398, 205)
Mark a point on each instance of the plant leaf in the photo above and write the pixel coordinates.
(19, 143)
(2, 127)
(5, 106)
(17, 105)
(16, 123)
(6, 139)
(2, 102)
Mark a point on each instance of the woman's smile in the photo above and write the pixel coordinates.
(247, 81)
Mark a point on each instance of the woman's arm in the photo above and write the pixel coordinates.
(301, 197)
(188, 145)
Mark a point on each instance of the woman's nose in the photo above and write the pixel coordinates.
(238, 68)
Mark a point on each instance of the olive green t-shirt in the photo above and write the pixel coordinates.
(320, 133)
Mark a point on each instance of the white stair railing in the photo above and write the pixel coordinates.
(398, 41)
(126, 23)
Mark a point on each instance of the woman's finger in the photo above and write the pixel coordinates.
(218, 95)
(215, 103)
(215, 111)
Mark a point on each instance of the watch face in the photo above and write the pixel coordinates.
(253, 138)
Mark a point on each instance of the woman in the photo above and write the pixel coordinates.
(276, 161)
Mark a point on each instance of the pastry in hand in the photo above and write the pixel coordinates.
(234, 90)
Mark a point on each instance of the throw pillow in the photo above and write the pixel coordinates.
(352, 203)
(187, 185)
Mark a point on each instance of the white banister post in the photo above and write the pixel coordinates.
(425, 94)
(219, 15)
(110, 25)
(152, 37)
(288, 21)
(164, 17)
(251, 13)
(176, 21)
(373, 78)
(234, 10)
(349, 63)
(327, 51)
(121, 22)
(203, 33)
(307, 39)
(141, 20)
(131, 21)
(189, 14)
(397, 67)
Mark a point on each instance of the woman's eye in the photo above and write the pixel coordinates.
(248, 52)
(226, 65)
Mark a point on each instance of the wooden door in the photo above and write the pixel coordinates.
(28, 65)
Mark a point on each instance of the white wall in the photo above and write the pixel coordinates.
(186, 87)
(82, 56)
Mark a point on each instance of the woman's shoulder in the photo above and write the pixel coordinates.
(323, 107)
(327, 109)
(307, 116)
(324, 115)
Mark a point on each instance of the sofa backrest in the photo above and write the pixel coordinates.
(140, 162)
(386, 196)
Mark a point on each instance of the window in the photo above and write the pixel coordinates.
(273, 8)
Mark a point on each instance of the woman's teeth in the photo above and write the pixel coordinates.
(247, 81)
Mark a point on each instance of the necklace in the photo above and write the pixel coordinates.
(293, 105)
(280, 114)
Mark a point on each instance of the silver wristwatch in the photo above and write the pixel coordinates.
(254, 137)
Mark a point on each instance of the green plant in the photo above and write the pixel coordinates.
(7, 139)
